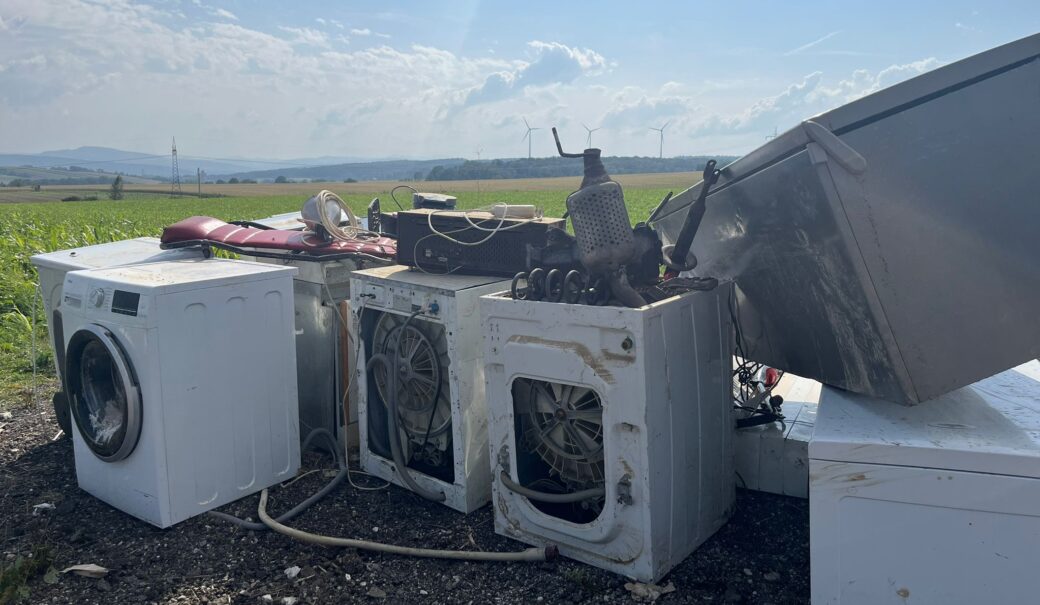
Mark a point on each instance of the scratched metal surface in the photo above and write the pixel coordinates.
(908, 279)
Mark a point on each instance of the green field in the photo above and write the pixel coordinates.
(31, 228)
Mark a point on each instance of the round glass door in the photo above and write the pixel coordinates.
(103, 395)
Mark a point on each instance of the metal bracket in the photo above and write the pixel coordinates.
(847, 157)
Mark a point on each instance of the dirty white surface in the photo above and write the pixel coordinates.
(936, 503)
(664, 376)
(184, 275)
(396, 289)
(774, 458)
(991, 426)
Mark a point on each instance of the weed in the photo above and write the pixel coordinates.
(15, 578)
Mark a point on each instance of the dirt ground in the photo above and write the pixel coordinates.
(760, 556)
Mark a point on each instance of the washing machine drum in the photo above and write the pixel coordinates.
(103, 393)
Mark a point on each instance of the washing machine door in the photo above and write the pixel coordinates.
(103, 393)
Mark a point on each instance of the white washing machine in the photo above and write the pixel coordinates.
(182, 382)
(935, 503)
(52, 267)
(442, 418)
(611, 428)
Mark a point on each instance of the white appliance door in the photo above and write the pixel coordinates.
(103, 393)
(897, 534)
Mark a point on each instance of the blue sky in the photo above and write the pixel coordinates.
(424, 79)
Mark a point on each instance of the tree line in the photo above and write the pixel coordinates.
(524, 168)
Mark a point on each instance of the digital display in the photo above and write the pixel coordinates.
(125, 303)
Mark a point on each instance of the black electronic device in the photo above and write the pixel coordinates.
(468, 242)
(383, 223)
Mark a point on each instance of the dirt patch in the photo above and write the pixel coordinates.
(760, 556)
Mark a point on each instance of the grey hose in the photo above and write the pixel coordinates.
(391, 416)
(391, 428)
(530, 494)
(530, 554)
(302, 506)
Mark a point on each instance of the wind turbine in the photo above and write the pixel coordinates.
(527, 135)
(660, 153)
(588, 142)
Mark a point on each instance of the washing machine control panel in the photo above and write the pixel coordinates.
(98, 300)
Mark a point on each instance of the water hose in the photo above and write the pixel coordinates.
(391, 416)
(537, 496)
(531, 554)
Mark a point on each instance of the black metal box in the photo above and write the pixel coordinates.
(473, 242)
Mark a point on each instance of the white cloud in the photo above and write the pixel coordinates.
(806, 98)
(219, 12)
(554, 63)
(863, 82)
(364, 31)
(306, 35)
(647, 111)
(213, 10)
(75, 72)
(816, 42)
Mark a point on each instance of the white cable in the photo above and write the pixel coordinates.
(346, 394)
(353, 233)
(491, 232)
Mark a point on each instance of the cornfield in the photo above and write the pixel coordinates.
(32, 228)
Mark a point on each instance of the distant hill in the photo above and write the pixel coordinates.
(153, 165)
(95, 154)
(524, 168)
(390, 170)
(20, 176)
(156, 167)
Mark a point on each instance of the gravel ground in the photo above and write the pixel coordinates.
(760, 556)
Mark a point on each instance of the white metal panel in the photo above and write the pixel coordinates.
(448, 283)
(52, 267)
(936, 503)
(663, 374)
(193, 274)
(237, 397)
(990, 426)
(890, 534)
(111, 254)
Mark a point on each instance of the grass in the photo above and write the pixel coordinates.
(53, 193)
(30, 228)
(15, 578)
